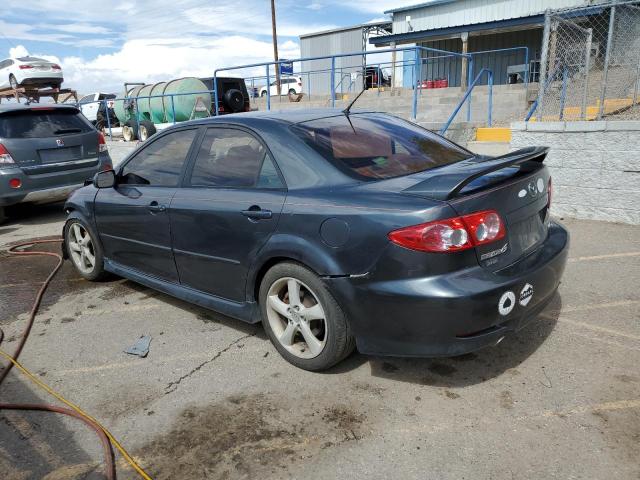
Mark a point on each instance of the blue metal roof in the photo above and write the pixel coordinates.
(419, 5)
(443, 32)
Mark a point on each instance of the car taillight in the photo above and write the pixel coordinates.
(15, 183)
(25, 67)
(452, 234)
(300, 83)
(102, 143)
(221, 108)
(549, 194)
(55, 66)
(5, 156)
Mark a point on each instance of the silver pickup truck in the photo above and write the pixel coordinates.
(46, 152)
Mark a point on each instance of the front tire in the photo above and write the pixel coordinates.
(130, 131)
(303, 320)
(84, 250)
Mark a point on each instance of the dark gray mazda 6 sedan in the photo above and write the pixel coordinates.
(334, 230)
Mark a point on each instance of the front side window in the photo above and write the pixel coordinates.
(375, 147)
(159, 164)
(233, 158)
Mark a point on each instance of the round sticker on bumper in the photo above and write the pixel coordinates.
(506, 303)
(525, 294)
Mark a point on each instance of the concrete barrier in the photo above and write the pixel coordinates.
(595, 166)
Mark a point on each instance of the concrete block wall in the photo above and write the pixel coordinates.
(595, 166)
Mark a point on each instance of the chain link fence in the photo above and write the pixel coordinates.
(590, 65)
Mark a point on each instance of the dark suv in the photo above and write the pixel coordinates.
(233, 96)
(375, 77)
(46, 152)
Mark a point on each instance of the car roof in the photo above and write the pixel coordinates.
(13, 107)
(288, 116)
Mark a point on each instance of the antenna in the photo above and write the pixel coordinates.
(348, 109)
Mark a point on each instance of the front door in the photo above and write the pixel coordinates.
(228, 207)
(133, 217)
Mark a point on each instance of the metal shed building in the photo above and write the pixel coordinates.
(469, 26)
(317, 77)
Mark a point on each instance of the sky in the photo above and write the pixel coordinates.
(102, 44)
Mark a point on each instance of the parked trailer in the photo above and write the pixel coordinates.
(145, 108)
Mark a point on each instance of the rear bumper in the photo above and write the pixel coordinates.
(47, 187)
(455, 313)
(41, 78)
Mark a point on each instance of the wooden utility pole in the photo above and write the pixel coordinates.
(275, 44)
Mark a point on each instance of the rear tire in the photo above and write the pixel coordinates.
(263, 93)
(84, 250)
(130, 130)
(316, 317)
(292, 91)
(147, 129)
(13, 82)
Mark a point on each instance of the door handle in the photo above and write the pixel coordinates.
(155, 207)
(256, 213)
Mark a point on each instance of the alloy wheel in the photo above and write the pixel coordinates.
(296, 317)
(81, 248)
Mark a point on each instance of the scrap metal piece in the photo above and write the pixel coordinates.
(141, 347)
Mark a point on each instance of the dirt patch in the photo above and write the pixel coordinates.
(247, 436)
(451, 395)
(21, 277)
(368, 388)
(506, 400)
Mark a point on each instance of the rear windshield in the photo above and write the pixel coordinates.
(374, 147)
(42, 123)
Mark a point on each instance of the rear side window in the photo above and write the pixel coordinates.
(233, 158)
(42, 123)
(159, 164)
(374, 147)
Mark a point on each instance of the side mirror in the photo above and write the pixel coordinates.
(105, 179)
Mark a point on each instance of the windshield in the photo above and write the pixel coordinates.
(376, 146)
(42, 123)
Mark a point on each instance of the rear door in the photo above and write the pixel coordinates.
(226, 210)
(132, 217)
(44, 140)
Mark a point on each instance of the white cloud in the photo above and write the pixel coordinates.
(160, 39)
(18, 51)
(154, 60)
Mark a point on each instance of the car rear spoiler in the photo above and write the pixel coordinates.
(448, 181)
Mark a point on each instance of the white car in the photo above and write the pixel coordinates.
(90, 104)
(288, 85)
(30, 71)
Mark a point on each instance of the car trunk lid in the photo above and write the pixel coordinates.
(514, 185)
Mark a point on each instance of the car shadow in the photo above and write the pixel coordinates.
(462, 370)
(120, 287)
(32, 214)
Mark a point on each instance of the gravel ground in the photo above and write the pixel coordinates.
(213, 399)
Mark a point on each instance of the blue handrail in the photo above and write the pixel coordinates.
(416, 49)
(467, 95)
